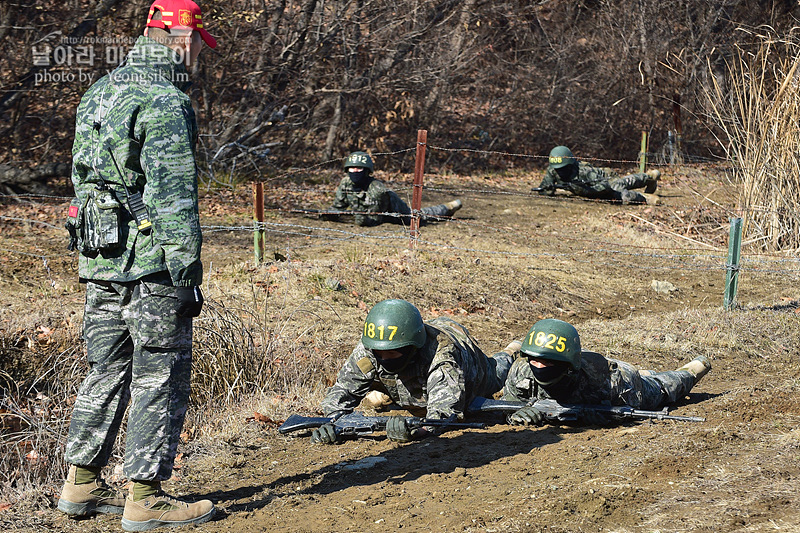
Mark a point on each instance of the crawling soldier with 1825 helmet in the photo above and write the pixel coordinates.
(551, 365)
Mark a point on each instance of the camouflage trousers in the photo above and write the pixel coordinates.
(653, 391)
(138, 349)
(397, 205)
(622, 186)
(499, 366)
(618, 189)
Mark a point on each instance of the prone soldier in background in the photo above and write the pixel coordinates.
(551, 365)
(134, 146)
(372, 202)
(582, 179)
(436, 366)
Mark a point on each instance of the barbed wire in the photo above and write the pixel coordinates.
(739, 211)
(649, 156)
(29, 195)
(399, 242)
(303, 230)
(681, 258)
(294, 171)
(688, 257)
(484, 226)
(28, 220)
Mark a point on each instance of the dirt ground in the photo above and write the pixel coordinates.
(583, 261)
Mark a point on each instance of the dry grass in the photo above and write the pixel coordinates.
(271, 338)
(757, 108)
(259, 347)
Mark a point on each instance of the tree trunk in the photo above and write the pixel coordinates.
(14, 180)
(88, 24)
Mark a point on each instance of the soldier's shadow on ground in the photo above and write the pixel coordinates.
(400, 464)
(409, 462)
(694, 398)
(789, 307)
(435, 456)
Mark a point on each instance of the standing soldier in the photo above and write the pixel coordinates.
(136, 224)
(434, 365)
(582, 179)
(552, 366)
(372, 201)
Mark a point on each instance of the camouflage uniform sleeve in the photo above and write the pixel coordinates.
(340, 202)
(378, 203)
(514, 390)
(83, 147)
(446, 384)
(548, 184)
(352, 383)
(167, 131)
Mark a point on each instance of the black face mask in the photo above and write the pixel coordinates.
(550, 374)
(565, 173)
(396, 365)
(360, 179)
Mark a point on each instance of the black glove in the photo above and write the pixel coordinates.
(325, 434)
(190, 301)
(593, 418)
(527, 416)
(397, 430)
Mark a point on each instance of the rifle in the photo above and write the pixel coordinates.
(554, 411)
(321, 214)
(557, 186)
(358, 424)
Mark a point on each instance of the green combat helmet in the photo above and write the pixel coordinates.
(561, 156)
(359, 160)
(391, 325)
(554, 340)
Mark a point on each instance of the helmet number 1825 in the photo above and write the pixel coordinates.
(548, 340)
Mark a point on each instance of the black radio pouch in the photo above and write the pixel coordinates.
(139, 212)
(135, 203)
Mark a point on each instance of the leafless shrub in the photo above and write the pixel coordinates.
(33, 424)
(305, 82)
(241, 348)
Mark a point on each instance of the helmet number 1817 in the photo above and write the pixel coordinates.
(370, 330)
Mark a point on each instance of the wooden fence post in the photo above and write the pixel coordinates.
(258, 221)
(643, 154)
(416, 195)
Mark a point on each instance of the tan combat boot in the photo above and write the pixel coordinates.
(652, 199)
(652, 181)
(162, 510)
(452, 207)
(698, 367)
(89, 498)
(513, 347)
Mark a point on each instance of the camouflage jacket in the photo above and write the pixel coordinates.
(449, 371)
(599, 381)
(149, 125)
(375, 199)
(588, 181)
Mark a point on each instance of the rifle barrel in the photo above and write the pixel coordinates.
(556, 410)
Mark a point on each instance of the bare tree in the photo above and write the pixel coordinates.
(310, 80)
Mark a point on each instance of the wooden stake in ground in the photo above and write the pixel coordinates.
(416, 196)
